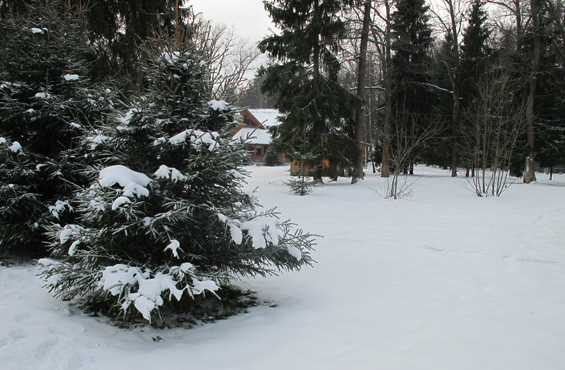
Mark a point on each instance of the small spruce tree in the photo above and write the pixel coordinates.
(272, 158)
(165, 219)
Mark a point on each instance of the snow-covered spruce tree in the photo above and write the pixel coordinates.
(46, 102)
(317, 112)
(165, 219)
(20, 205)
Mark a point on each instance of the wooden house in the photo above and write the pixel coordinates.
(253, 127)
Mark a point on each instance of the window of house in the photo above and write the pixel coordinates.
(258, 150)
(247, 120)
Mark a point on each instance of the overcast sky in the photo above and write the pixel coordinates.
(248, 17)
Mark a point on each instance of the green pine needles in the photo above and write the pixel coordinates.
(318, 112)
(46, 102)
(165, 219)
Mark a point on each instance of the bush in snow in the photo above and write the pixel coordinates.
(272, 158)
(165, 219)
(302, 184)
(46, 102)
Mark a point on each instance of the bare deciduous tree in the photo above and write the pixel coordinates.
(229, 57)
(529, 174)
(513, 9)
(455, 10)
(379, 82)
(387, 48)
(524, 13)
(361, 84)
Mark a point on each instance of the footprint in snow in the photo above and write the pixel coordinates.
(5, 341)
(77, 361)
(24, 317)
(46, 348)
(18, 335)
(13, 337)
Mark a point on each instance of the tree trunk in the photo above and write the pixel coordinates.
(529, 174)
(316, 55)
(317, 175)
(455, 94)
(454, 131)
(361, 82)
(519, 28)
(385, 167)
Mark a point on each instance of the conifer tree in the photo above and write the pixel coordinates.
(443, 70)
(318, 113)
(115, 29)
(118, 28)
(46, 101)
(165, 219)
(550, 96)
(475, 52)
(21, 206)
(412, 96)
(475, 59)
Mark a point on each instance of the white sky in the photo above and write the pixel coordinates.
(248, 17)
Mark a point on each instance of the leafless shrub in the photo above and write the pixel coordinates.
(496, 121)
(407, 141)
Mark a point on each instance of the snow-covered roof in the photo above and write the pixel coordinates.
(257, 136)
(267, 117)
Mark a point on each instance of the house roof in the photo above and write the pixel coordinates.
(256, 136)
(267, 117)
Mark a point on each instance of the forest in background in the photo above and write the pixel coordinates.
(463, 84)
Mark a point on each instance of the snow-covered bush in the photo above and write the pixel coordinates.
(165, 218)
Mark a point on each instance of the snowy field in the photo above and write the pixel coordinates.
(441, 280)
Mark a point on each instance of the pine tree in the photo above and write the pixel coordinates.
(318, 112)
(46, 101)
(475, 59)
(411, 43)
(412, 95)
(21, 206)
(442, 71)
(550, 96)
(116, 29)
(165, 219)
(475, 52)
(272, 158)
(119, 27)
(535, 63)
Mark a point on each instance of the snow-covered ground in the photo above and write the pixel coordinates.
(441, 280)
